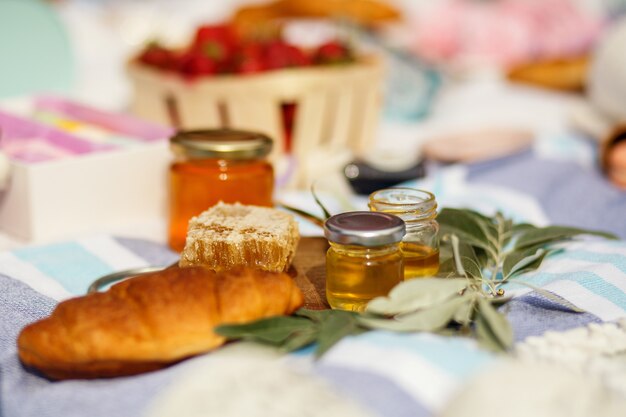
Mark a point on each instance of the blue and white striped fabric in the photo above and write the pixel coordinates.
(421, 372)
(390, 374)
(66, 269)
(402, 374)
(589, 274)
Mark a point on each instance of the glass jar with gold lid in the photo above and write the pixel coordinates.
(418, 209)
(364, 259)
(216, 165)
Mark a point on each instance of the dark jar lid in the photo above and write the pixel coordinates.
(364, 228)
(221, 143)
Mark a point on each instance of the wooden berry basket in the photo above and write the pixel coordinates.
(337, 106)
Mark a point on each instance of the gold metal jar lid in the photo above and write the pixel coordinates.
(221, 143)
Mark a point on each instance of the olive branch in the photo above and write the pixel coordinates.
(479, 254)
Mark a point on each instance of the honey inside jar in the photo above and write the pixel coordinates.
(420, 245)
(364, 259)
(419, 260)
(214, 166)
(356, 275)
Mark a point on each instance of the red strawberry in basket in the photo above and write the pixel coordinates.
(219, 42)
(193, 64)
(333, 52)
(282, 55)
(157, 56)
(250, 59)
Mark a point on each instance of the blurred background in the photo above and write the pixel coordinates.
(515, 105)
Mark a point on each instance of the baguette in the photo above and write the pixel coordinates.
(151, 321)
(233, 235)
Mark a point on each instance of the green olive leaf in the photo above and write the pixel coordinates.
(456, 254)
(462, 220)
(481, 216)
(414, 294)
(315, 315)
(427, 319)
(466, 262)
(551, 234)
(464, 313)
(471, 227)
(523, 260)
(485, 336)
(445, 230)
(334, 328)
(447, 269)
(495, 323)
(489, 226)
(557, 299)
(300, 339)
(326, 327)
(482, 257)
(522, 227)
(272, 330)
(319, 203)
(500, 301)
(302, 213)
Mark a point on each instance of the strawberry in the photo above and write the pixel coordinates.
(193, 64)
(282, 55)
(157, 56)
(250, 58)
(298, 58)
(219, 42)
(216, 49)
(333, 52)
(251, 65)
(219, 33)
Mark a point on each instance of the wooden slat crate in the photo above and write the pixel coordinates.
(337, 107)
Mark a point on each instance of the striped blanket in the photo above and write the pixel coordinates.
(388, 374)
(376, 373)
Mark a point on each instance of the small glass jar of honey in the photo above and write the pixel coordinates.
(418, 209)
(364, 259)
(216, 165)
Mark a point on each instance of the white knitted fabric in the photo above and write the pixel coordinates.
(595, 350)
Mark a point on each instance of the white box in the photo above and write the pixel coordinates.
(88, 193)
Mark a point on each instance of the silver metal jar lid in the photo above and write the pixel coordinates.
(364, 228)
(221, 143)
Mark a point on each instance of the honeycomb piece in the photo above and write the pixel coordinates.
(231, 235)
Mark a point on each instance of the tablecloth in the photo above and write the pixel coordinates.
(377, 373)
(387, 373)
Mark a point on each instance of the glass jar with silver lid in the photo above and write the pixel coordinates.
(364, 259)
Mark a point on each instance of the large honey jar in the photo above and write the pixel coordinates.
(216, 165)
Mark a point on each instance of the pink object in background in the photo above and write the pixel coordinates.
(18, 137)
(467, 33)
(33, 141)
(119, 123)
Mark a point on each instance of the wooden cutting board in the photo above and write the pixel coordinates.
(309, 271)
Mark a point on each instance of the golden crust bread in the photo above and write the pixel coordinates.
(151, 321)
(233, 235)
